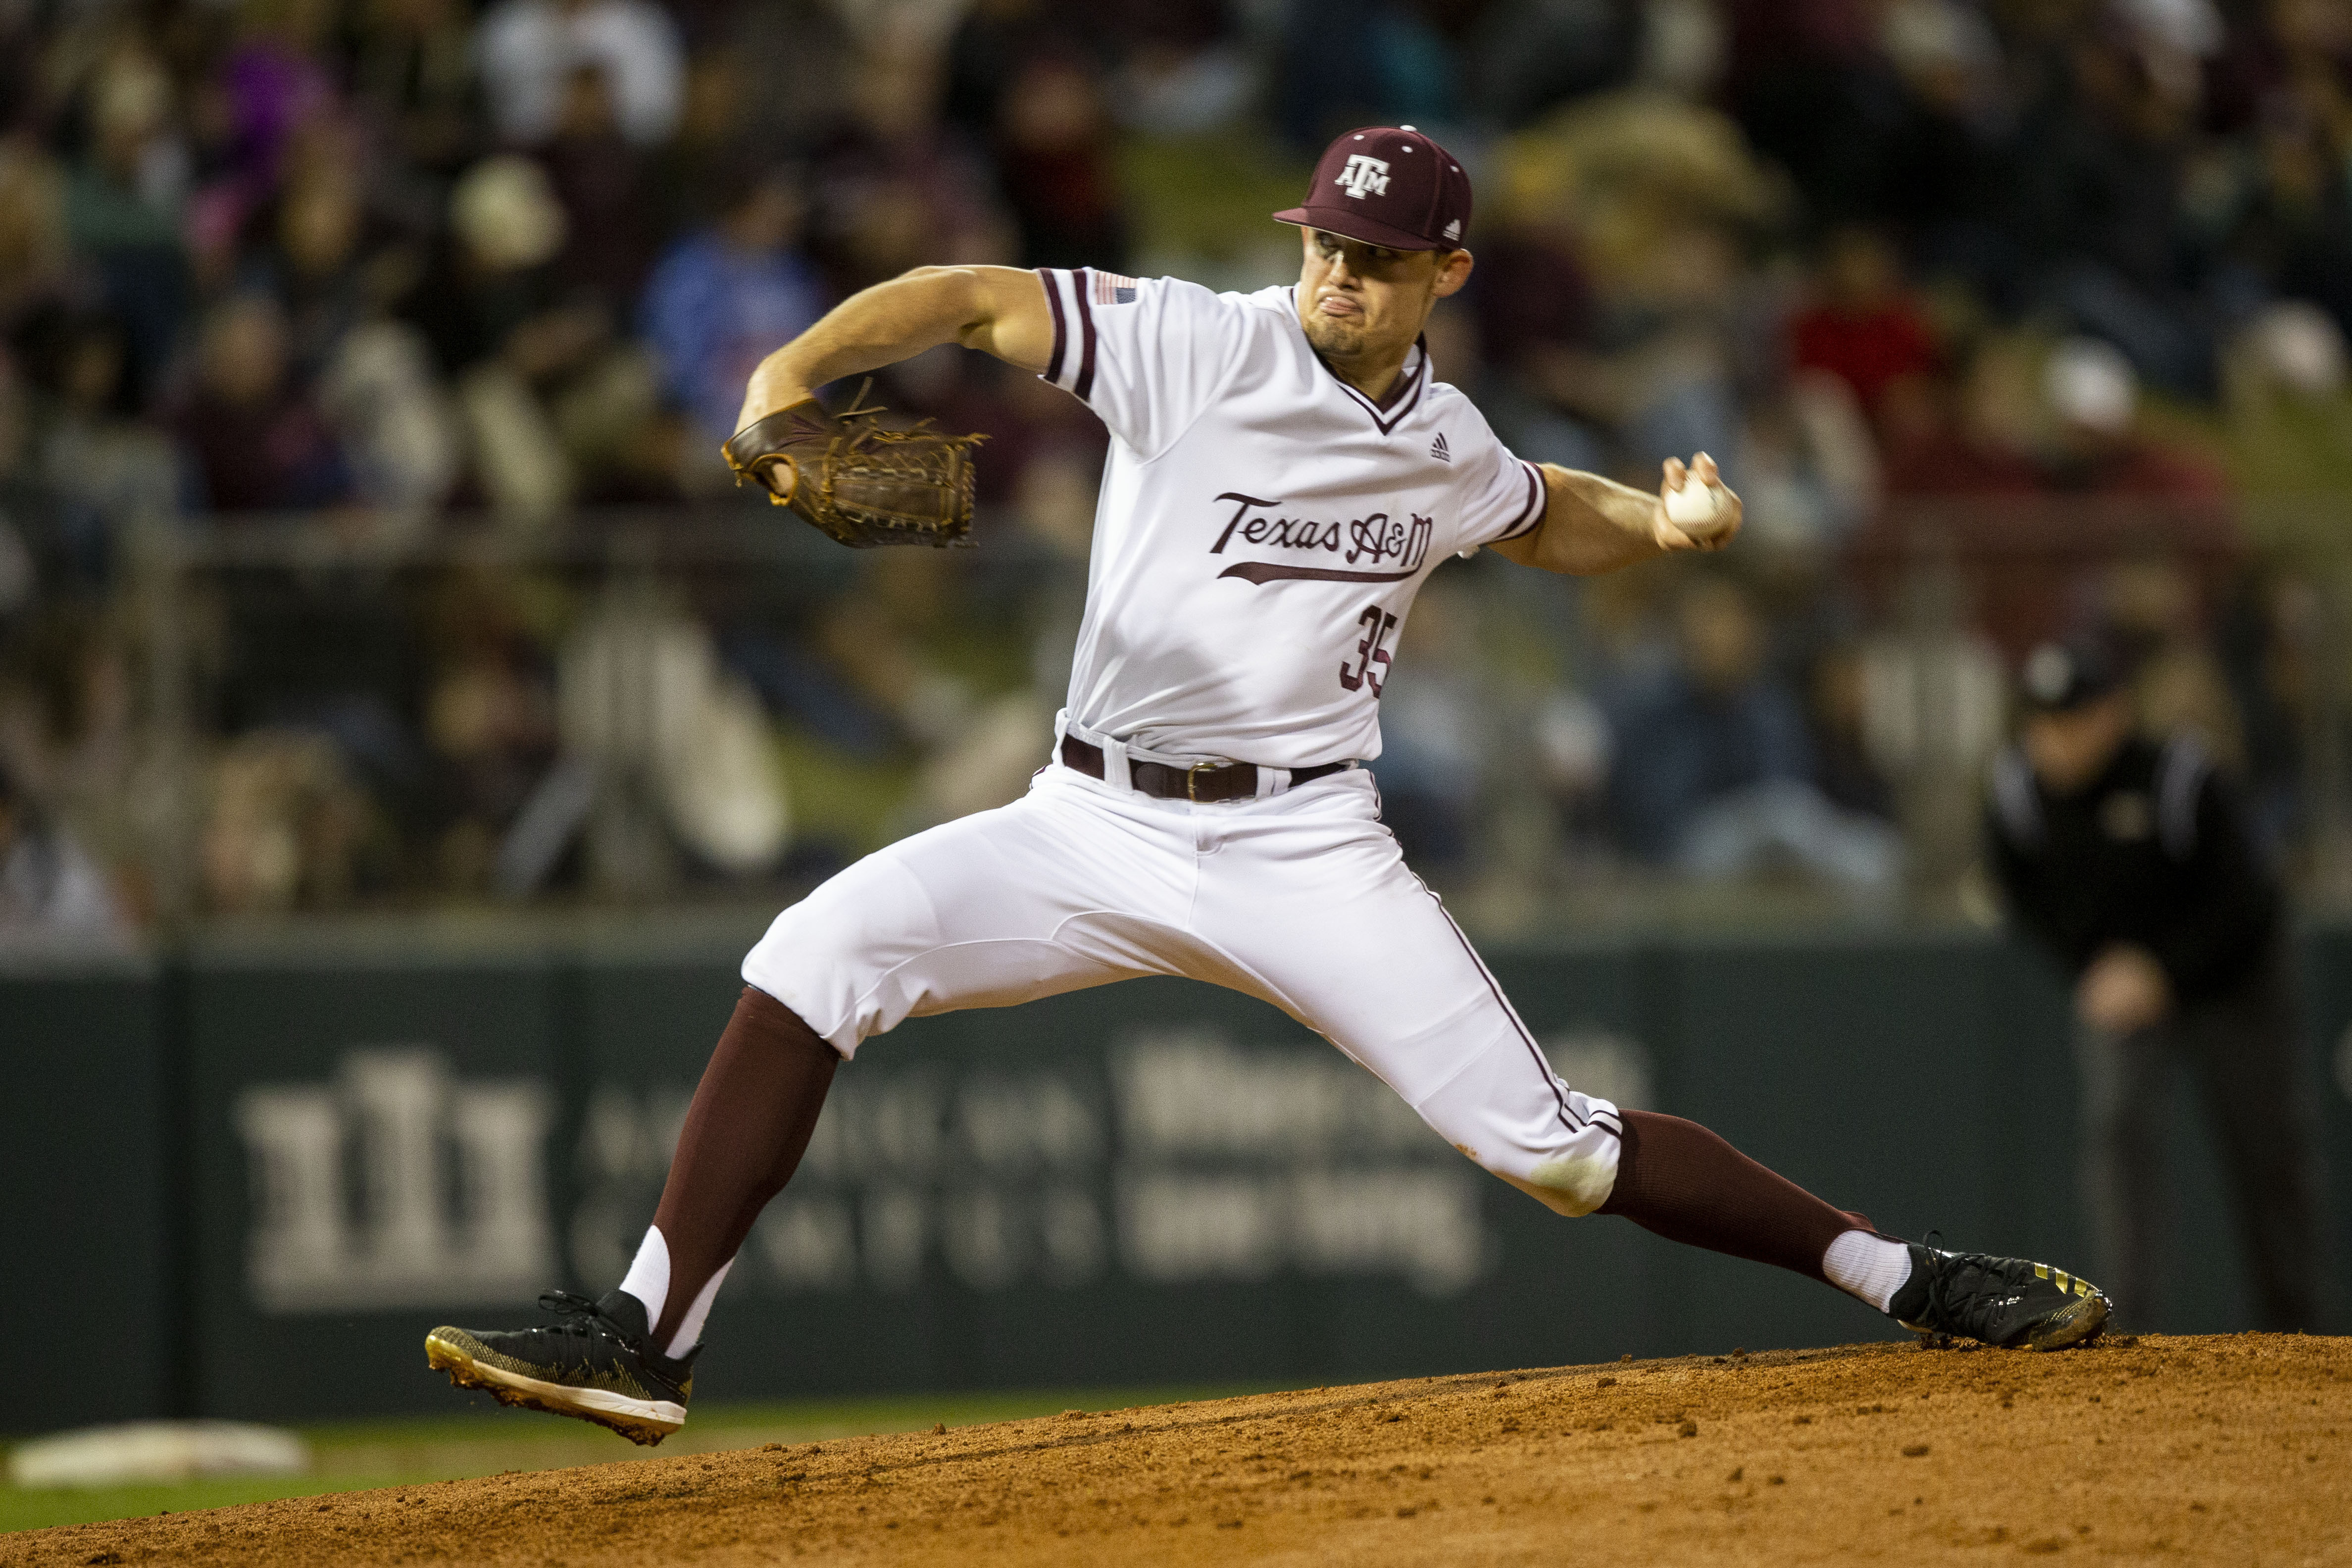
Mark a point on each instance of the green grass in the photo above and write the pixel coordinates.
(355, 1456)
(39, 1510)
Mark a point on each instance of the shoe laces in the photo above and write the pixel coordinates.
(582, 1317)
(1964, 1285)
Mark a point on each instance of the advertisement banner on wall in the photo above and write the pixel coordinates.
(374, 1147)
(1150, 1183)
(1154, 1182)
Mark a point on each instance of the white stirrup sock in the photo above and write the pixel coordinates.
(1868, 1268)
(648, 1281)
(648, 1277)
(689, 1328)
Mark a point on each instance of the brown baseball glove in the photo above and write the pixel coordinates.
(859, 482)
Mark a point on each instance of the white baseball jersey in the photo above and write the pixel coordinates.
(1262, 530)
(1262, 526)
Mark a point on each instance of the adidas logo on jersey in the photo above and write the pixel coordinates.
(1440, 451)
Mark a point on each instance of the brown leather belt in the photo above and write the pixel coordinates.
(1201, 782)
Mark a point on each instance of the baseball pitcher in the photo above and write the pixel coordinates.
(1286, 470)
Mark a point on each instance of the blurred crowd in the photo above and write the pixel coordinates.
(330, 329)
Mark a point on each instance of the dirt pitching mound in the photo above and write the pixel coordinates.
(2216, 1449)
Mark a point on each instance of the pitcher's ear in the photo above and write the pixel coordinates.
(1452, 271)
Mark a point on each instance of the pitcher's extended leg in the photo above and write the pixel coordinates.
(1677, 1180)
(743, 1137)
(1370, 958)
(1067, 888)
(626, 1360)
(1680, 1181)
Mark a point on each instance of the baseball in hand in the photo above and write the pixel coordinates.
(1691, 508)
(1698, 504)
(1693, 505)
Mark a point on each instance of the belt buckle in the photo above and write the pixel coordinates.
(1191, 779)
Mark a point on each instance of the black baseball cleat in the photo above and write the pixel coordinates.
(2005, 1301)
(595, 1363)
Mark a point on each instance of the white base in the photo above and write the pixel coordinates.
(157, 1451)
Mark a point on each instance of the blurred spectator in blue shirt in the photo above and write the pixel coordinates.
(1717, 721)
(724, 299)
(1715, 769)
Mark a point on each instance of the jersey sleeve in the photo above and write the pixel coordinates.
(1499, 496)
(1146, 354)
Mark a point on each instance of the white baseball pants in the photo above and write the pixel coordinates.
(1299, 898)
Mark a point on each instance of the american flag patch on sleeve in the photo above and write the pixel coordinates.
(1110, 289)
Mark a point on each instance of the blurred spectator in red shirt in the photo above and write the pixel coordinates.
(1863, 326)
(1964, 433)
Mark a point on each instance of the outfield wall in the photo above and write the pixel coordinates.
(248, 1179)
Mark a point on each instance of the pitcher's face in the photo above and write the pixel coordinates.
(1357, 300)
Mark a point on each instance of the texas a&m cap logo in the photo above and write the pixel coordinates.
(1364, 175)
(1387, 186)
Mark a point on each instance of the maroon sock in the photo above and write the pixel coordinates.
(744, 1134)
(1679, 1180)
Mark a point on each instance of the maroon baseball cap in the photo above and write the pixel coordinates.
(1387, 186)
